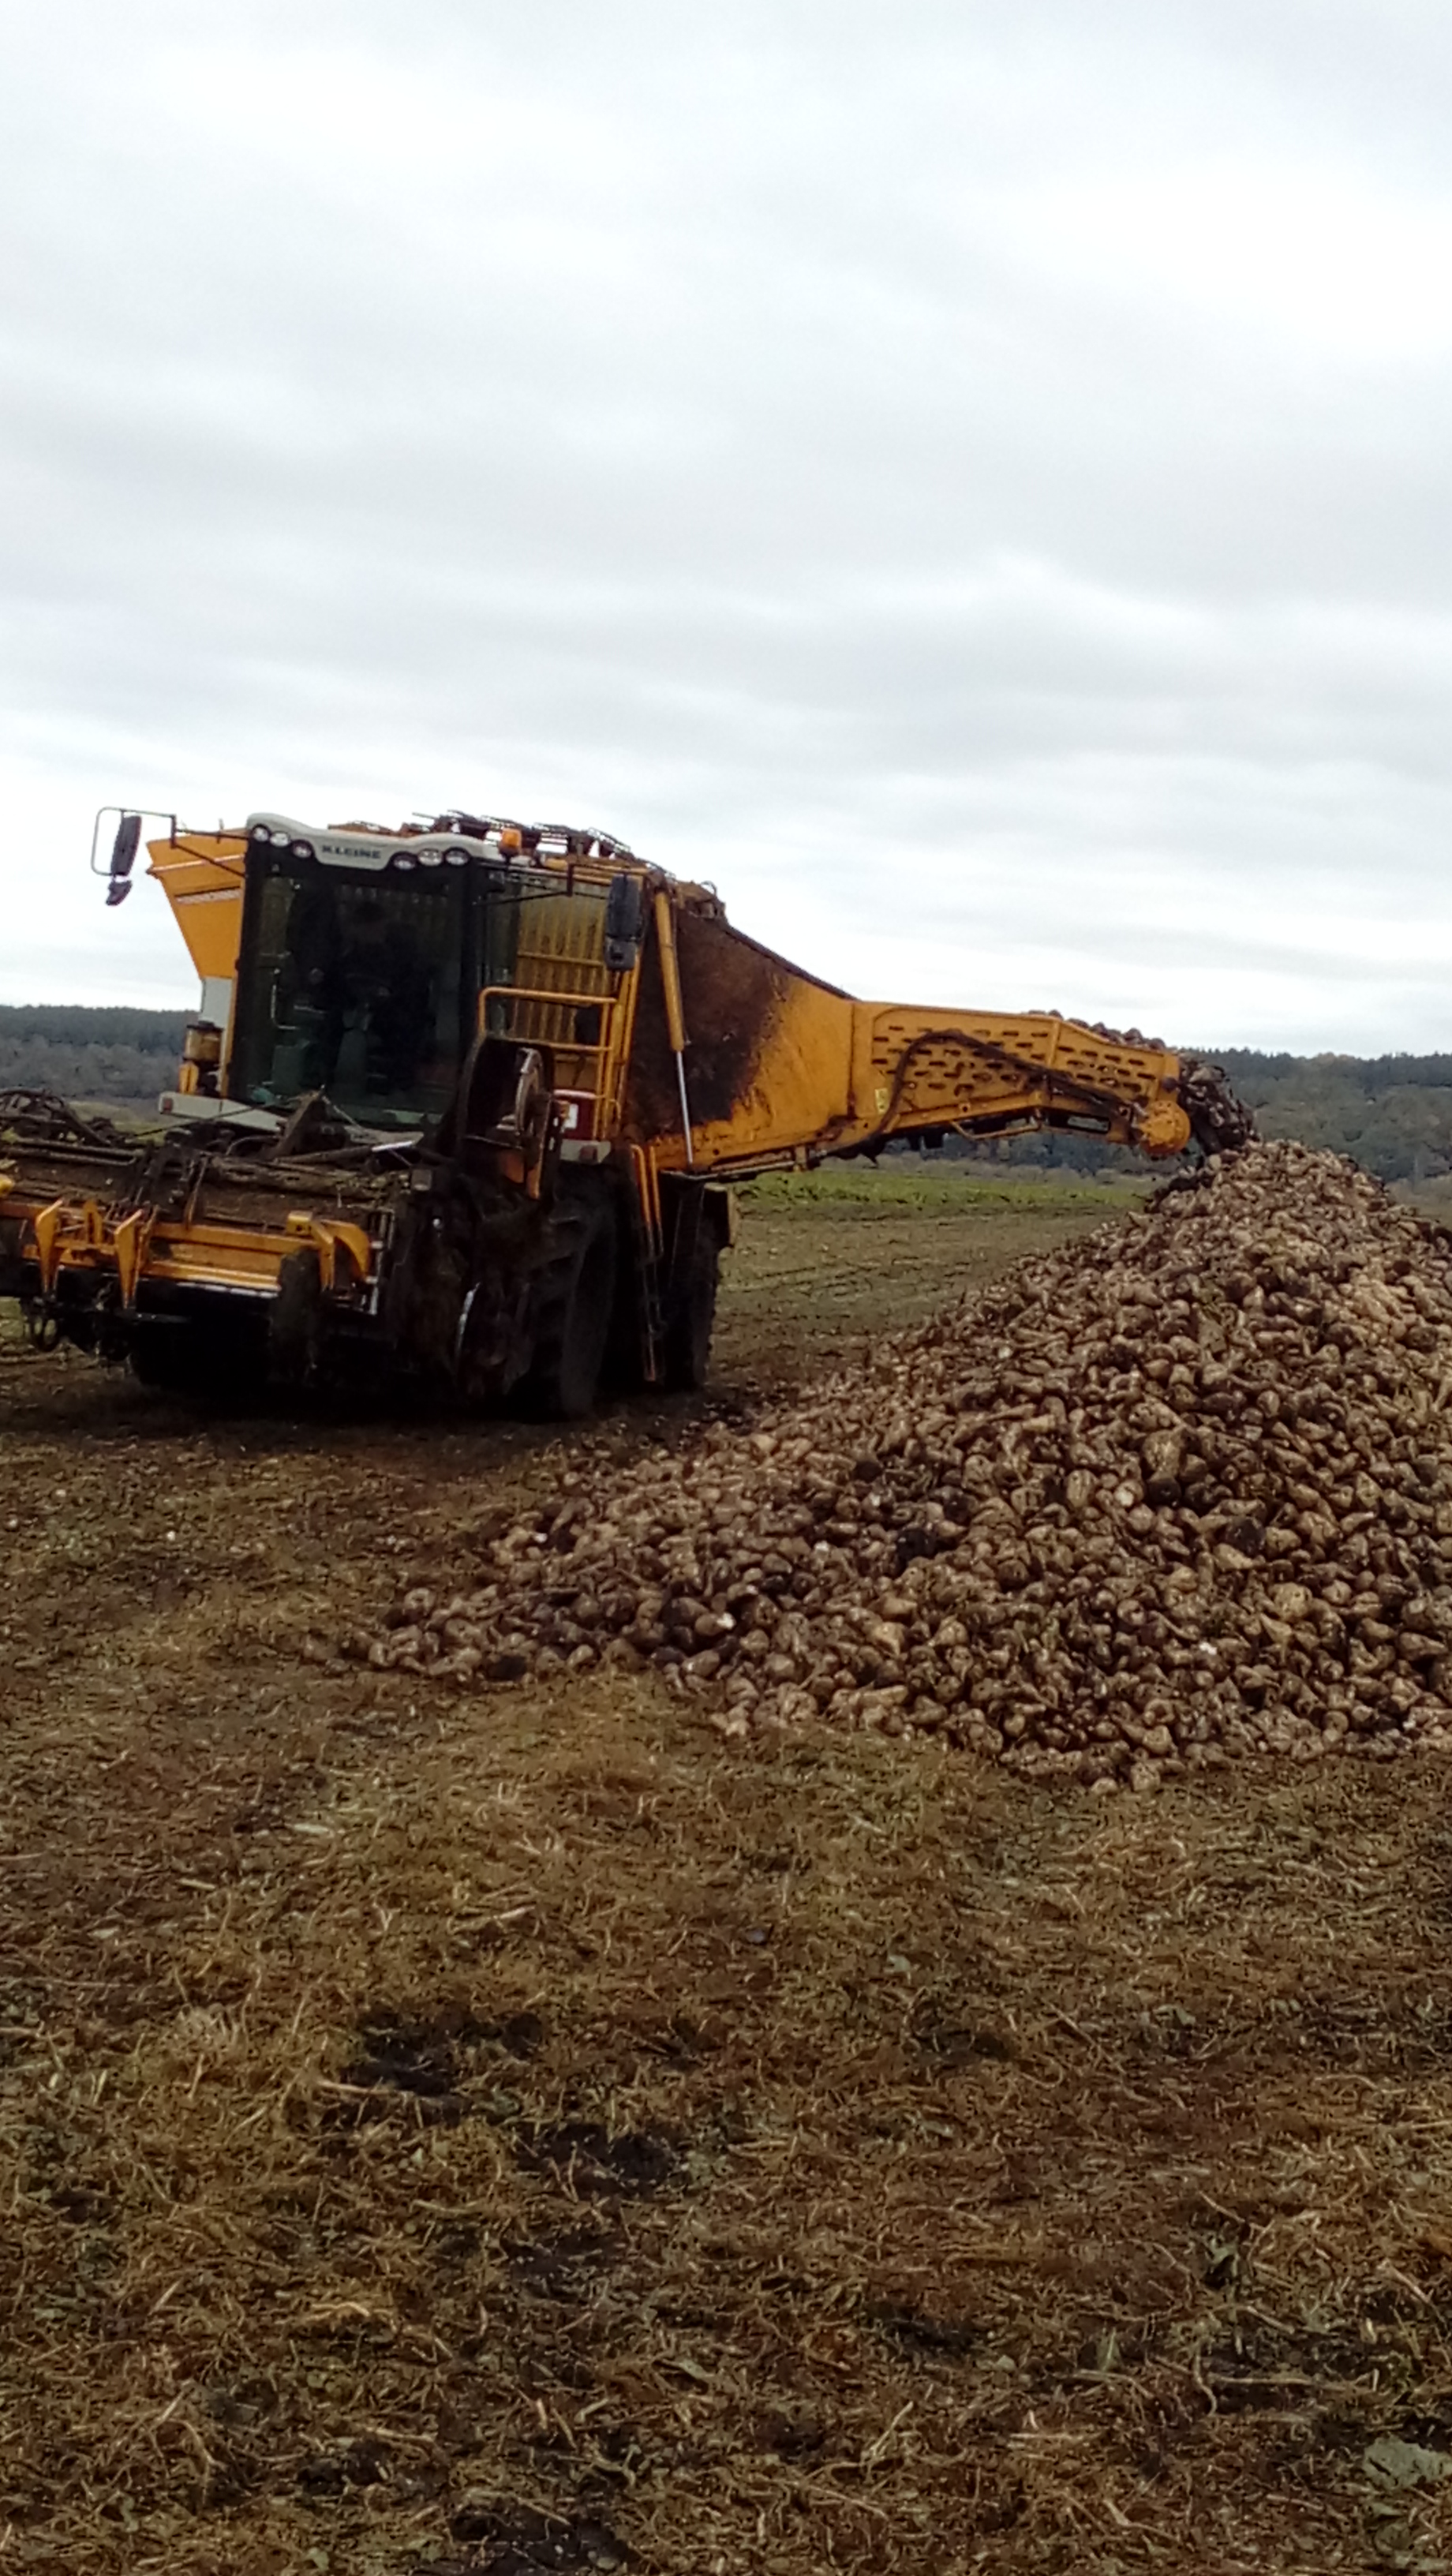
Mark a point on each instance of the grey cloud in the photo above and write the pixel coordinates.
(768, 434)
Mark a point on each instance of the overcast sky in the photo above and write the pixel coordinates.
(972, 480)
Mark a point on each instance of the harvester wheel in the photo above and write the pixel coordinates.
(688, 1334)
(577, 1296)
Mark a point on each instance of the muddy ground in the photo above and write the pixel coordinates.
(457, 2134)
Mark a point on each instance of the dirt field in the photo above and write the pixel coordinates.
(456, 2134)
(832, 1257)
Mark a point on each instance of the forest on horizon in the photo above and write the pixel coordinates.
(1392, 1112)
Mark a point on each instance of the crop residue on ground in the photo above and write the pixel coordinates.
(484, 2131)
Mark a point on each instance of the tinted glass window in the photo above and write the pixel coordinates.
(354, 987)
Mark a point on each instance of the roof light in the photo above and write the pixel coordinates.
(303, 850)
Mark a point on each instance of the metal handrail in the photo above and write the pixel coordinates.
(567, 1002)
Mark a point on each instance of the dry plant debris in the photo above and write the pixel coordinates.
(454, 2134)
(1179, 1492)
(558, 2130)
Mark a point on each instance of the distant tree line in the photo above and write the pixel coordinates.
(1392, 1112)
(110, 1055)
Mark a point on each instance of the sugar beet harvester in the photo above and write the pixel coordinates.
(463, 1105)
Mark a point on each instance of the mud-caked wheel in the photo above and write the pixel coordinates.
(576, 1302)
(687, 1352)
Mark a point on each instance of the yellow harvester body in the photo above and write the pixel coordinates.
(461, 1103)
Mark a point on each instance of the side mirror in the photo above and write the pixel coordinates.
(123, 857)
(624, 923)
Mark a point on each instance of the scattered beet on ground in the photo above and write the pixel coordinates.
(463, 2133)
(1179, 1493)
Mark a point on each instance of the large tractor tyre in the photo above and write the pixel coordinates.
(687, 1352)
(577, 1298)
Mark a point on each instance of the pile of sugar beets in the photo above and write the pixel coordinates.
(1178, 1493)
